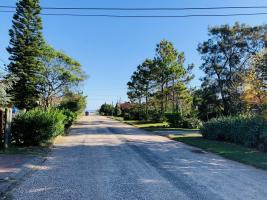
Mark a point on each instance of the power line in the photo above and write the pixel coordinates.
(152, 16)
(147, 16)
(148, 9)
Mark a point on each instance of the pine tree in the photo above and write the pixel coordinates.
(26, 40)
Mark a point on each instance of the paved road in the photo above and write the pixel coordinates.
(105, 159)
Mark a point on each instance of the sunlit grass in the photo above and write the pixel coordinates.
(150, 126)
(228, 150)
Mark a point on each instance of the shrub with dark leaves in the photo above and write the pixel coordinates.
(250, 131)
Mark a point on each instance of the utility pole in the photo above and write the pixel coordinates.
(265, 40)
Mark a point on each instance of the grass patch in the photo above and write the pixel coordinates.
(228, 150)
(151, 126)
(37, 151)
(169, 129)
(40, 150)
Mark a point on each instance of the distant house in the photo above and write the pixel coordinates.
(125, 105)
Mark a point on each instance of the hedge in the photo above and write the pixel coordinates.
(38, 125)
(176, 120)
(70, 117)
(249, 131)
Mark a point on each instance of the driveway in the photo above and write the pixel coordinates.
(106, 159)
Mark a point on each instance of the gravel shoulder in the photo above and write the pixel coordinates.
(14, 167)
(106, 159)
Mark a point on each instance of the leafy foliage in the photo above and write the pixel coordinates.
(176, 120)
(70, 117)
(106, 109)
(207, 103)
(249, 131)
(140, 85)
(38, 75)
(160, 85)
(226, 57)
(74, 102)
(59, 73)
(37, 126)
(117, 110)
(6, 85)
(255, 83)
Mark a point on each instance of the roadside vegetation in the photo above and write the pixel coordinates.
(229, 107)
(249, 131)
(143, 124)
(41, 82)
(228, 150)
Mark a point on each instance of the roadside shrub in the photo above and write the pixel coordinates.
(250, 131)
(106, 109)
(74, 102)
(176, 120)
(37, 126)
(126, 116)
(191, 122)
(158, 117)
(70, 117)
(133, 115)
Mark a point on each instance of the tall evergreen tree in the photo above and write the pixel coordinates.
(170, 75)
(26, 40)
(140, 85)
(165, 59)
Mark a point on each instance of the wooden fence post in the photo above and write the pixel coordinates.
(8, 119)
(2, 126)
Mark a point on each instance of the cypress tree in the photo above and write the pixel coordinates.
(24, 48)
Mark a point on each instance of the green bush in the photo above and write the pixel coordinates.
(74, 102)
(70, 117)
(158, 117)
(250, 131)
(176, 120)
(191, 122)
(133, 115)
(37, 126)
(106, 109)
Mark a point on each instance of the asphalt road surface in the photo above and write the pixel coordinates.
(106, 159)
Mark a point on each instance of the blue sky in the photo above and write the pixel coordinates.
(110, 49)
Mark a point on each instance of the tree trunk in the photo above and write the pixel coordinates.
(166, 99)
(146, 107)
(162, 99)
(139, 109)
(225, 103)
(173, 97)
